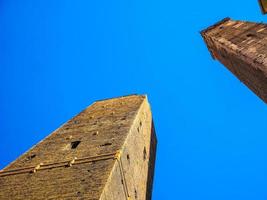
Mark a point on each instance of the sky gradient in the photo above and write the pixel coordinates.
(58, 56)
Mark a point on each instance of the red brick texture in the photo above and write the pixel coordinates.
(242, 47)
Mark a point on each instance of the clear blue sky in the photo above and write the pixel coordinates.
(58, 56)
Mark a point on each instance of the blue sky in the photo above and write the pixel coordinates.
(58, 56)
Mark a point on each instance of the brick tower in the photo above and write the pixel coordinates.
(263, 6)
(107, 152)
(242, 47)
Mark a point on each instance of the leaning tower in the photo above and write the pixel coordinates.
(242, 47)
(107, 152)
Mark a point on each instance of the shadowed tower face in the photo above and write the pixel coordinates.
(242, 47)
(263, 5)
(107, 152)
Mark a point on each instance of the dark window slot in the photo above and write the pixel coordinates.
(75, 144)
(106, 144)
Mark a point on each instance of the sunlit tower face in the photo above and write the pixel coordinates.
(263, 5)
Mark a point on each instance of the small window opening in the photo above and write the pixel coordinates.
(106, 144)
(128, 157)
(75, 144)
(135, 194)
(144, 153)
(95, 133)
(251, 35)
(31, 157)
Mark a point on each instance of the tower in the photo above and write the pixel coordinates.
(242, 47)
(263, 6)
(107, 152)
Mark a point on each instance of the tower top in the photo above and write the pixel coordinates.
(263, 6)
(107, 152)
(241, 47)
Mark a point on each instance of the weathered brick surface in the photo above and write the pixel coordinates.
(105, 127)
(263, 6)
(242, 47)
(138, 154)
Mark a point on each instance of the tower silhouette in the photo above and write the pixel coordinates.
(242, 47)
(263, 6)
(107, 152)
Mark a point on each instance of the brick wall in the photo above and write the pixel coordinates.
(106, 152)
(242, 47)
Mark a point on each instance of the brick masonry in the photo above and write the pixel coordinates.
(107, 152)
(263, 6)
(242, 47)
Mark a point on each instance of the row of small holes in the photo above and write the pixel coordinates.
(144, 155)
